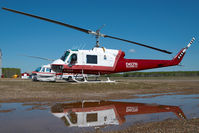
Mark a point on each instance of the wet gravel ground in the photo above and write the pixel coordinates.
(166, 126)
(17, 90)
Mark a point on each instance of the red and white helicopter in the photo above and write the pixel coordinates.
(100, 60)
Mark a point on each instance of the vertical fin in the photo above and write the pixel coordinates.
(178, 58)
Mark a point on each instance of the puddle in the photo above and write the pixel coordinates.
(188, 103)
(92, 115)
(154, 95)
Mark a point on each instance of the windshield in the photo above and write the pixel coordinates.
(38, 69)
(65, 55)
(48, 70)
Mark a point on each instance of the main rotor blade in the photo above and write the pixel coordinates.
(49, 20)
(161, 50)
(37, 57)
(84, 30)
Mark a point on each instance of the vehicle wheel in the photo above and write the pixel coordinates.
(34, 79)
(70, 78)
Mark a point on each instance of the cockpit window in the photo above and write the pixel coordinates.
(65, 55)
(38, 69)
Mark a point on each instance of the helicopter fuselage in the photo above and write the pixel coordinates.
(106, 61)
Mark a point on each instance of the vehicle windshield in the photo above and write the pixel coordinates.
(65, 55)
(48, 70)
(38, 69)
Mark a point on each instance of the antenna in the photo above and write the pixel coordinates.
(0, 63)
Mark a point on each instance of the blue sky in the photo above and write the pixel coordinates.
(166, 24)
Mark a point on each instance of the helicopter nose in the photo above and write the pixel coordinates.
(57, 66)
(58, 61)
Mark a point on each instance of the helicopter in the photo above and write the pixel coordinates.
(100, 60)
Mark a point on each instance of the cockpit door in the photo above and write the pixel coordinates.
(72, 60)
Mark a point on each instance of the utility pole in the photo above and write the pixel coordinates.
(0, 63)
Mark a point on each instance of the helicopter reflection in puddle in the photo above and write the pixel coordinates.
(95, 113)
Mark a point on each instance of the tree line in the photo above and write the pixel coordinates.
(157, 74)
(9, 72)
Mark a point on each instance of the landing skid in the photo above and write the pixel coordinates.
(94, 81)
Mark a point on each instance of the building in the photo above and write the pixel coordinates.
(25, 75)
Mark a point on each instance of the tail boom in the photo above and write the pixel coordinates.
(125, 65)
